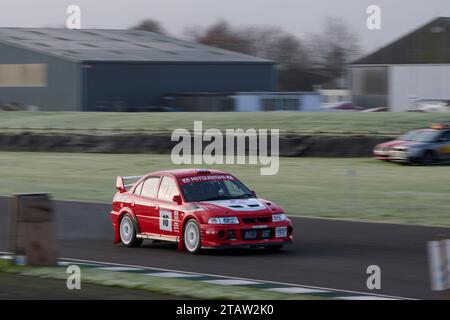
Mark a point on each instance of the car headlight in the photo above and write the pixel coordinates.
(279, 217)
(224, 220)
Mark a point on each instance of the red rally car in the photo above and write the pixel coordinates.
(198, 209)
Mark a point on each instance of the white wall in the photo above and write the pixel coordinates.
(408, 82)
(252, 102)
(247, 103)
(311, 103)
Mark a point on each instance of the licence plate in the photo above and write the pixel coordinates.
(251, 234)
(266, 234)
(281, 232)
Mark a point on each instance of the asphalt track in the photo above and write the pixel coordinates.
(326, 253)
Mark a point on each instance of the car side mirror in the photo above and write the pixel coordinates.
(253, 193)
(177, 199)
(119, 184)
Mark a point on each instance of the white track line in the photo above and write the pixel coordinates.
(240, 278)
(232, 282)
(237, 278)
(119, 269)
(229, 277)
(362, 298)
(171, 275)
(297, 290)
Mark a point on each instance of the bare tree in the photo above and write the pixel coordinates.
(334, 47)
(221, 35)
(288, 51)
(301, 64)
(265, 42)
(150, 25)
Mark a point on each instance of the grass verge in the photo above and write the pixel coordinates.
(165, 286)
(285, 121)
(356, 188)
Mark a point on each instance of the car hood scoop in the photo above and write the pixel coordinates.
(239, 204)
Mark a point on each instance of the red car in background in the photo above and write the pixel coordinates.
(198, 209)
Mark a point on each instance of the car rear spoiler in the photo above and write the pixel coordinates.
(121, 186)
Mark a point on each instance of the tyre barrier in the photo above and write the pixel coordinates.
(290, 145)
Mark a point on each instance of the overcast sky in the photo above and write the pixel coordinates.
(299, 17)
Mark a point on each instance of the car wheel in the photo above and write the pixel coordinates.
(274, 248)
(191, 236)
(128, 232)
(428, 158)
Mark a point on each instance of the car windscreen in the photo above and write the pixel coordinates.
(409, 136)
(215, 190)
(426, 136)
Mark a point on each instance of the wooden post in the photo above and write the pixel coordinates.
(446, 257)
(31, 231)
(439, 256)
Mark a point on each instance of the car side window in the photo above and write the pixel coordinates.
(149, 187)
(446, 136)
(138, 189)
(168, 189)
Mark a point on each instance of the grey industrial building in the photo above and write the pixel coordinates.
(90, 70)
(414, 68)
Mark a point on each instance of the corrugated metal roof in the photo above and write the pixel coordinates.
(117, 45)
(428, 44)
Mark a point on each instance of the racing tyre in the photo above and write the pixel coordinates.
(275, 248)
(428, 158)
(128, 232)
(191, 237)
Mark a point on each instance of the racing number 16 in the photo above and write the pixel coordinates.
(165, 220)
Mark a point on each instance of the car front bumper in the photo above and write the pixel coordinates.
(236, 236)
(248, 245)
(399, 156)
(406, 156)
(381, 154)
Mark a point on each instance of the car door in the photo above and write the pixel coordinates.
(168, 216)
(146, 207)
(443, 147)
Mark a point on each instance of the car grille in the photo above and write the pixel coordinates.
(257, 234)
(256, 220)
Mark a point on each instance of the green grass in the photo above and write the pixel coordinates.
(358, 188)
(167, 286)
(285, 121)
